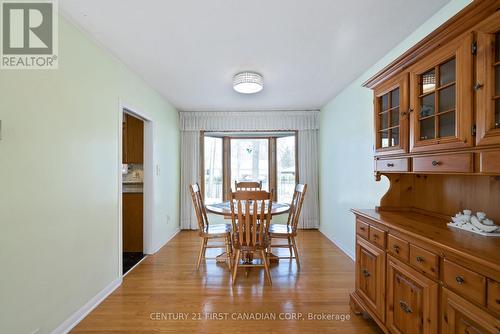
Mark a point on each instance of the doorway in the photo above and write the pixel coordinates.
(135, 189)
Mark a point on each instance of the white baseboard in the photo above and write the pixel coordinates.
(157, 248)
(78, 316)
(339, 245)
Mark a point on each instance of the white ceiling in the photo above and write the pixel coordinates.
(307, 50)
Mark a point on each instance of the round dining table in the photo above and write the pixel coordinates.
(224, 209)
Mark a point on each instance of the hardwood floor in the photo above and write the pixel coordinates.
(165, 285)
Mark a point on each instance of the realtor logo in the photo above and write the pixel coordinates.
(29, 34)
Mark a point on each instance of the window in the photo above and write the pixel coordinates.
(250, 161)
(268, 157)
(213, 169)
(285, 162)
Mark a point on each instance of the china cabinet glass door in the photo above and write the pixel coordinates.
(441, 108)
(487, 85)
(391, 109)
(437, 102)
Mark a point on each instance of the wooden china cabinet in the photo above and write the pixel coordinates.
(437, 141)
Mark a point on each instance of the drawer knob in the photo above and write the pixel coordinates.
(460, 280)
(390, 164)
(436, 163)
(375, 236)
(366, 273)
(396, 248)
(405, 307)
(362, 228)
(420, 259)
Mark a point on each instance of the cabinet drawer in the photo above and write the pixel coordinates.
(465, 282)
(490, 162)
(377, 237)
(398, 247)
(458, 163)
(424, 260)
(392, 165)
(362, 229)
(493, 299)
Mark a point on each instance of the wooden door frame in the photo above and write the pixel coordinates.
(148, 186)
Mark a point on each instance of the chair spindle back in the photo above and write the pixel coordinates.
(296, 205)
(247, 185)
(251, 217)
(199, 207)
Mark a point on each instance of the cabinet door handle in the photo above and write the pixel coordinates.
(460, 280)
(366, 273)
(390, 164)
(405, 307)
(436, 163)
(396, 248)
(420, 259)
(478, 86)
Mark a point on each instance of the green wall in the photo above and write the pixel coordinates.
(59, 180)
(346, 145)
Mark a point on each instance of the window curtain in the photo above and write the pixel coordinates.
(305, 122)
(309, 174)
(190, 173)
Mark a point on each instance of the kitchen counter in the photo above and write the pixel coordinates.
(132, 187)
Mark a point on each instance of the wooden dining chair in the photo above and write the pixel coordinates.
(289, 231)
(209, 232)
(247, 185)
(251, 218)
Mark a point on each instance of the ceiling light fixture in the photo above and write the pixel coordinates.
(248, 82)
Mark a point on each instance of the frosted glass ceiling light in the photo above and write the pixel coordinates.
(248, 82)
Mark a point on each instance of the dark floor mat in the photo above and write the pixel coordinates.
(130, 259)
